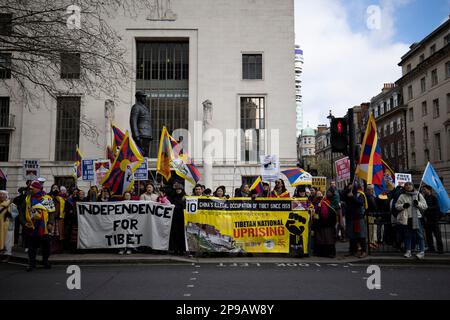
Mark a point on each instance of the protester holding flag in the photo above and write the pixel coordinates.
(431, 178)
(372, 213)
(257, 186)
(93, 194)
(432, 215)
(39, 222)
(58, 231)
(8, 215)
(412, 204)
(5, 212)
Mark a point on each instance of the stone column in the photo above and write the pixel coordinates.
(207, 158)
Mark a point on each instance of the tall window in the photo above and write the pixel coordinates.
(392, 150)
(412, 136)
(413, 158)
(427, 155)
(4, 147)
(5, 24)
(162, 72)
(411, 114)
(391, 127)
(434, 77)
(425, 134)
(432, 49)
(70, 65)
(67, 128)
(447, 70)
(399, 149)
(252, 66)
(408, 68)
(5, 65)
(438, 146)
(410, 93)
(399, 124)
(423, 85)
(448, 102)
(4, 112)
(446, 39)
(253, 124)
(422, 58)
(436, 111)
(424, 108)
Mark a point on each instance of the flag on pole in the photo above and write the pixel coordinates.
(77, 173)
(258, 186)
(431, 178)
(165, 154)
(120, 177)
(388, 182)
(370, 167)
(118, 137)
(110, 154)
(298, 177)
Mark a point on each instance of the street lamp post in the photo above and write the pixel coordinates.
(331, 117)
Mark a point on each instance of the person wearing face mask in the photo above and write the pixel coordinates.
(411, 204)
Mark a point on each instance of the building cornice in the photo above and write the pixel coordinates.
(424, 65)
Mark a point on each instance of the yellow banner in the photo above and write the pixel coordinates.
(319, 183)
(241, 225)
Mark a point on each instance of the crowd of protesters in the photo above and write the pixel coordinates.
(403, 218)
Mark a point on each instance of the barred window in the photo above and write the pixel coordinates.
(5, 24)
(4, 112)
(70, 66)
(253, 125)
(162, 72)
(5, 65)
(252, 66)
(67, 128)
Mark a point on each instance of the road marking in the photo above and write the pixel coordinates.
(187, 295)
(195, 272)
(193, 279)
(190, 286)
(393, 294)
(355, 272)
(197, 266)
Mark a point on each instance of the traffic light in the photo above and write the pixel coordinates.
(339, 135)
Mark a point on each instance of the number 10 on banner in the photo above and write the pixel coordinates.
(191, 205)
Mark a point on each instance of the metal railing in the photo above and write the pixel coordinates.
(385, 236)
(7, 121)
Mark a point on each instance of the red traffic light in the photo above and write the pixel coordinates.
(339, 127)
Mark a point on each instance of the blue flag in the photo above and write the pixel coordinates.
(431, 178)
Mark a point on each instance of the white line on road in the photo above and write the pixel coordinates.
(187, 295)
(190, 286)
(195, 272)
(193, 279)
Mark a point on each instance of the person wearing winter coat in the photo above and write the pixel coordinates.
(432, 216)
(411, 204)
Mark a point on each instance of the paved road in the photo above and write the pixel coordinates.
(230, 281)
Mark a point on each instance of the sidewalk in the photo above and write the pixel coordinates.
(141, 258)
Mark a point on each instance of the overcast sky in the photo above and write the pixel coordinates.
(346, 61)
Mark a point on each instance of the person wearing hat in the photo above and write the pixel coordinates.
(140, 123)
(39, 223)
(411, 205)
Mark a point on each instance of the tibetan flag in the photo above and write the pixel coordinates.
(165, 154)
(110, 154)
(183, 164)
(258, 186)
(298, 177)
(120, 177)
(431, 178)
(118, 137)
(370, 166)
(388, 183)
(3, 175)
(77, 173)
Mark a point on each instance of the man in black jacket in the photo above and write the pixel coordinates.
(432, 215)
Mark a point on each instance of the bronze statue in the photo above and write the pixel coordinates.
(140, 123)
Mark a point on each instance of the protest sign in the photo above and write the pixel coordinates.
(125, 224)
(237, 225)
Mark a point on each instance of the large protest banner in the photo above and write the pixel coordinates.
(123, 224)
(240, 225)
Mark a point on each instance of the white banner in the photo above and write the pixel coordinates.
(270, 168)
(129, 224)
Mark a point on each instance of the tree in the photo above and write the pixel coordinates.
(39, 37)
(324, 168)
